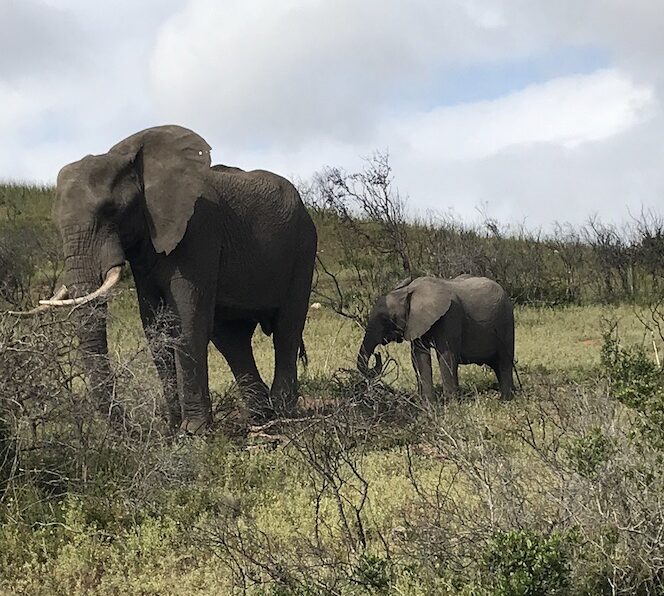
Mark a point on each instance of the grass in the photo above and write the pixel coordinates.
(554, 492)
(563, 342)
(220, 502)
(25, 202)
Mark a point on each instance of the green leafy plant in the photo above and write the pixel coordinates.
(590, 453)
(373, 573)
(637, 382)
(526, 563)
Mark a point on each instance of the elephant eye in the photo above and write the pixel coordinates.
(107, 208)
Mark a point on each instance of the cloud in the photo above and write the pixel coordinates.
(572, 126)
(297, 85)
(556, 151)
(257, 70)
(566, 111)
(73, 79)
(37, 39)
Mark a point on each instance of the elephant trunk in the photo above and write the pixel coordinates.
(366, 350)
(87, 262)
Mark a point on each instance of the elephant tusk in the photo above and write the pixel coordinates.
(59, 295)
(112, 277)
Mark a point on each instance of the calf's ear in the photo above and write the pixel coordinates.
(427, 303)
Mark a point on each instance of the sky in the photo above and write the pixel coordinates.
(530, 111)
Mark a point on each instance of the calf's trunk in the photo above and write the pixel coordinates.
(366, 350)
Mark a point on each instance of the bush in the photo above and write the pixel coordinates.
(371, 491)
(30, 247)
(589, 454)
(637, 382)
(526, 563)
(368, 244)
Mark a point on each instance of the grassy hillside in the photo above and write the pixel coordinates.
(371, 492)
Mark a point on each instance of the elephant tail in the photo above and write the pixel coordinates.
(516, 372)
(303, 354)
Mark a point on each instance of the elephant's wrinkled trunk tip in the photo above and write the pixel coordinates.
(112, 277)
(363, 364)
(62, 293)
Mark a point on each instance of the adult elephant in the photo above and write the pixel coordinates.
(466, 320)
(220, 250)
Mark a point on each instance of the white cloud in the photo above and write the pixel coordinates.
(258, 70)
(36, 39)
(73, 80)
(567, 111)
(255, 70)
(297, 84)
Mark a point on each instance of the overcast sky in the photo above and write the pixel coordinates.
(534, 110)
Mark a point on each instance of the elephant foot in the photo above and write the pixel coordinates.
(283, 405)
(279, 406)
(257, 402)
(174, 421)
(196, 427)
(260, 414)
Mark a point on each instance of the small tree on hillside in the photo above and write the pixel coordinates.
(367, 214)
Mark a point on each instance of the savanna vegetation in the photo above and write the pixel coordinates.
(370, 490)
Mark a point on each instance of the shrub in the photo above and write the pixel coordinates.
(637, 382)
(527, 563)
(30, 247)
(589, 453)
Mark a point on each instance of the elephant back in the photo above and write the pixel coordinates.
(483, 299)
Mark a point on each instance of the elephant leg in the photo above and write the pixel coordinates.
(194, 310)
(503, 369)
(283, 394)
(421, 357)
(233, 340)
(158, 324)
(506, 363)
(287, 338)
(287, 335)
(448, 363)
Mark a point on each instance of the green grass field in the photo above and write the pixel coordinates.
(241, 516)
(563, 342)
(372, 491)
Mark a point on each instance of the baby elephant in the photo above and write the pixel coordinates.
(468, 320)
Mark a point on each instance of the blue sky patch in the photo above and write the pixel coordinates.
(489, 80)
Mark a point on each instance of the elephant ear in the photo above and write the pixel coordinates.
(172, 161)
(428, 300)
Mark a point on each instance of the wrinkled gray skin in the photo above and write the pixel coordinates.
(220, 250)
(467, 320)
